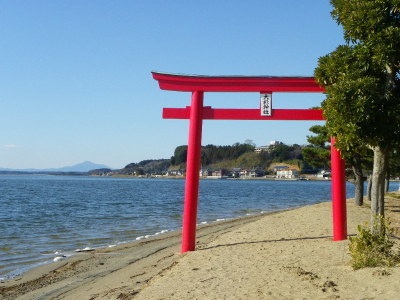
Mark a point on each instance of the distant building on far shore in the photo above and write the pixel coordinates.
(261, 149)
(275, 143)
(268, 148)
(287, 173)
(280, 168)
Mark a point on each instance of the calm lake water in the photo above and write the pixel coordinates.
(42, 217)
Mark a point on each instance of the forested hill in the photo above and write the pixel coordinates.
(150, 166)
(227, 157)
(212, 154)
(242, 156)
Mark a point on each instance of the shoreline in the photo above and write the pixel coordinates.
(71, 253)
(311, 178)
(41, 253)
(49, 274)
(286, 254)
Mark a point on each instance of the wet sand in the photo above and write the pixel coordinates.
(285, 255)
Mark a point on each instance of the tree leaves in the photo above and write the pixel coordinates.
(362, 84)
(374, 23)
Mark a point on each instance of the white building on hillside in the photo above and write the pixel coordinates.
(261, 149)
(275, 143)
(268, 148)
(287, 173)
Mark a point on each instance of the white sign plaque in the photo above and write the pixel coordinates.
(266, 104)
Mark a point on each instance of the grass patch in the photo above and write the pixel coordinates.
(395, 195)
(369, 249)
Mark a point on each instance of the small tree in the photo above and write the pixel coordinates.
(317, 153)
(180, 155)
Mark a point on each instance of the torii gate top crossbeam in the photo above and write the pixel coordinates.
(191, 83)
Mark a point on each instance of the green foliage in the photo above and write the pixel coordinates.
(321, 136)
(356, 109)
(316, 157)
(362, 77)
(370, 249)
(149, 166)
(373, 22)
(317, 154)
(295, 162)
(212, 154)
(180, 155)
(248, 160)
(224, 164)
(362, 81)
(280, 153)
(240, 155)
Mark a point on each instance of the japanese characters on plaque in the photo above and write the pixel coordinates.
(266, 104)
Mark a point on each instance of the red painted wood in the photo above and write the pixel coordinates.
(339, 213)
(196, 113)
(245, 114)
(192, 174)
(190, 83)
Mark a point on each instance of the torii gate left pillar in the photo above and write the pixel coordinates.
(192, 173)
(196, 113)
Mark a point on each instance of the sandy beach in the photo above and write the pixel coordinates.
(285, 255)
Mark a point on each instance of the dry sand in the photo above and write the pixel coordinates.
(286, 255)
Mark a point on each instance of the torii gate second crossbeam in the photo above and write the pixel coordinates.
(196, 113)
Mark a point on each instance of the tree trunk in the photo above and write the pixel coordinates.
(359, 181)
(387, 180)
(381, 164)
(378, 189)
(369, 187)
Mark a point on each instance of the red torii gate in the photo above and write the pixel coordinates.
(196, 113)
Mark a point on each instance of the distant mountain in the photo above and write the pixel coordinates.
(82, 167)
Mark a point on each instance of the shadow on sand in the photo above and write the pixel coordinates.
(270, 241)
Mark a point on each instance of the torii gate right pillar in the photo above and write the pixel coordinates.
(339, 214)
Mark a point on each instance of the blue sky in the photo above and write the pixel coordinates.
(75, 81)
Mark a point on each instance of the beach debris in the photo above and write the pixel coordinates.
(329, 285)
(305, 275)
(129, 295)
(314, 279)
(161, 232)
(381, 272)
(87, 249)
(143, 237)
(59, 258)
